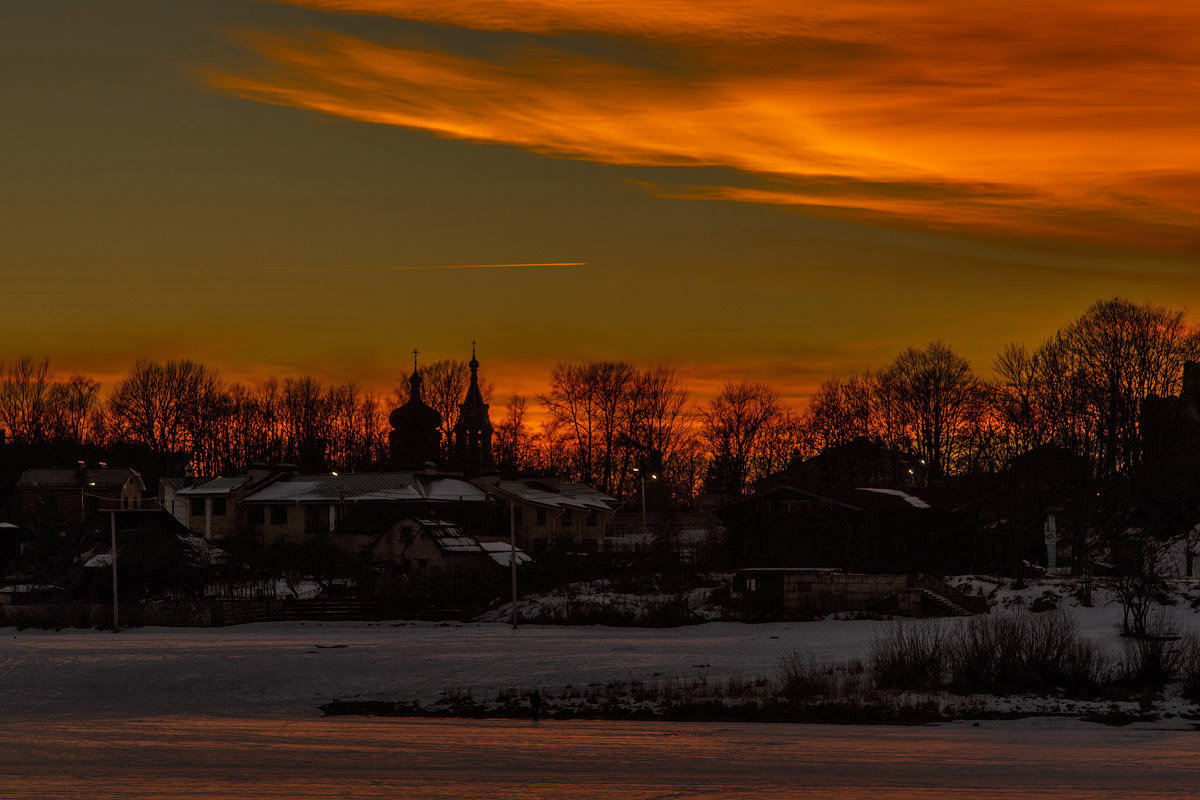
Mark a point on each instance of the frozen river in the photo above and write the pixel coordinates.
(228, 757)
(232, 713)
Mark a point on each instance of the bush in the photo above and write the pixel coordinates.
(909, 657)
(803, 678)
(1155, 657)
(1005, 653)
(1189, 667)
(1087, 668)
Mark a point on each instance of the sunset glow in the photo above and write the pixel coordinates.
(764, 189)
(1074, 120)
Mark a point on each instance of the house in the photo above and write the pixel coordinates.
(209, 507)
(549, 515)
(690, 535)
(424, 557)
(862, 461)
(863, 529)
(801, 593)
(60, 496)
(155, 555)
(297, 507)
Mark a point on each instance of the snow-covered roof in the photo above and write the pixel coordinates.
(214, 486)
(7, 525)
(915, 502)
(571, 495)
(448, 536)
(593, 498)
(371, 486)
(501, 553)
(25, 588)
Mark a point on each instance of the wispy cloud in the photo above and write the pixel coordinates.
(1072, 120)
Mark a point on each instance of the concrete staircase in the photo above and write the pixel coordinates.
(945, 603)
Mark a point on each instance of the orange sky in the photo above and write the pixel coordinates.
(762, 189)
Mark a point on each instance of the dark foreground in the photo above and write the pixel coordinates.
(351, 757)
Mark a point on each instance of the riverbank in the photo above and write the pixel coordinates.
(622, 702)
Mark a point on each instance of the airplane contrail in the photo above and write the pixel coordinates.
(299, 270)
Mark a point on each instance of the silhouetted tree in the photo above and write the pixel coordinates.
(735, 428)
(161, 405)
(930, 394)
(513, 444)
(25, 399)
(75, 409)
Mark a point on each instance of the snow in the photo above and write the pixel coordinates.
(99, 560)
(288, 669)
(454, 489)
(203, 552)
(501, 553)
(915, 502)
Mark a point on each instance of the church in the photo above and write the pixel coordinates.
(457, 484)
(415, 438)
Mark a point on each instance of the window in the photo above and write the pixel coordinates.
(219, 507)
(541, 516)
(256, 515)
(197, 506)
(517, 515)
(592, 518)
(279, 515)
(566, 516)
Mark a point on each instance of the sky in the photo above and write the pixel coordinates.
(780, 191)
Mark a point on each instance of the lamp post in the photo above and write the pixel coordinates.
(512, 556)
(83, 501)
(642, 476)
(113, 531)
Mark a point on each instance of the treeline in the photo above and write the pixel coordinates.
(615, 425)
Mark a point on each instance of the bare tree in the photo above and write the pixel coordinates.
(1119, 353)
(75, 405)
(25, 399)
(734, 428)
(840, 412)
(930, 392)
(512, 443)
(159, 405)
(584, 408)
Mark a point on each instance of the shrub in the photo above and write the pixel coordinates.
(1086, 669)
(802, 677)
(1004, 653)
(909, 657)
(1189, 667)
(1153, 658)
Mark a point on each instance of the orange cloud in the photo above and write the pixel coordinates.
(1059, 119)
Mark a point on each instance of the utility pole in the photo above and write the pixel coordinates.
(113, 524)
(512, 561)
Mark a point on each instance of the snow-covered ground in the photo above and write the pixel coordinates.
(289, 669)
(233, 713)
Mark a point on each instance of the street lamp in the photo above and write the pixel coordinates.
(83, 501)
(642, 476)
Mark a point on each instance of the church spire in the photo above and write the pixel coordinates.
(473, 432)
